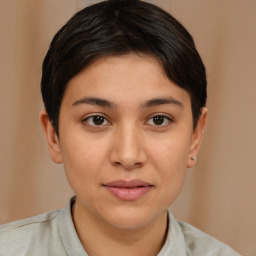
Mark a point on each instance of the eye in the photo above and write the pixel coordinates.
(96, 120)
(159, 120)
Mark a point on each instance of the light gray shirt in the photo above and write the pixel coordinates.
(54, 234)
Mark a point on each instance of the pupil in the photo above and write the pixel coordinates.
(98, 120)
(158, 120)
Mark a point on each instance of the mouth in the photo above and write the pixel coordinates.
(128, 190)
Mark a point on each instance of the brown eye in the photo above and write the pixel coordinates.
(158, 120)
(96, 120)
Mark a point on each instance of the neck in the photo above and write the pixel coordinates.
(100, 238)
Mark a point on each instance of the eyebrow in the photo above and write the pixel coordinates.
(105, 103)
(162, 101)
(94, 101)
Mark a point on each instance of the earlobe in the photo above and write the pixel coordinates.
(51, 137)
(197, 138)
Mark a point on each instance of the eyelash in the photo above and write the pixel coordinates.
(104, 119)
(105, 122)
(166, 120)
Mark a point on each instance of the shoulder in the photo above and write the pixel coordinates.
(32, 222)
(200, 243)
(30, 236)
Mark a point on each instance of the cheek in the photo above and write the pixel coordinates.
(172, 168)
(170, 161)
(82, 160)
(171, 154)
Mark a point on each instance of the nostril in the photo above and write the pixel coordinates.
(128, 166)
(138, 164)
(117, 163)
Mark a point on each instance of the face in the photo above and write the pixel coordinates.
(126, 139)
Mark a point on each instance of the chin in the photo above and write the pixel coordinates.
(130, 219)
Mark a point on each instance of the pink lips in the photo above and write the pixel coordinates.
(128, 190)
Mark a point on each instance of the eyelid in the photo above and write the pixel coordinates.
(87, 117)
(166, 116)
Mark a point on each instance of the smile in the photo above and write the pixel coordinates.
(128, 190)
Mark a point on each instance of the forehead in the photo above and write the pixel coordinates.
(124, 79)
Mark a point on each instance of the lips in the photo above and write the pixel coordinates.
(128, 190)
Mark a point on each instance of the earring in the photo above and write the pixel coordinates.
(194, 158)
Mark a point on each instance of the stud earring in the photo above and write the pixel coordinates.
(194, 158)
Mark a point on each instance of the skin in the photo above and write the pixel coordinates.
(127, 142)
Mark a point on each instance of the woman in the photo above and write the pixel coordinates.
(125, 92)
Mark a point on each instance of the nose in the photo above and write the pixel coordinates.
(128, 148)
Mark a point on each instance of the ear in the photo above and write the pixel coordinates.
(51, 137)
(197, 139)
